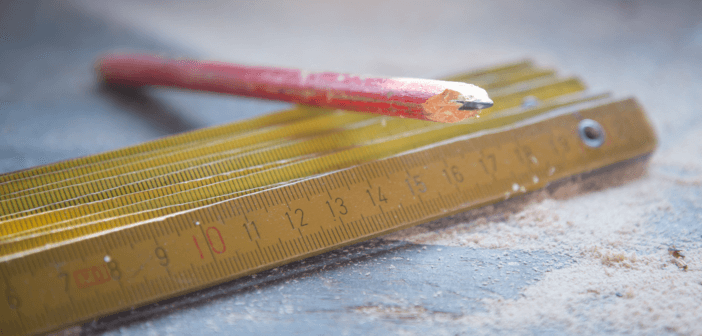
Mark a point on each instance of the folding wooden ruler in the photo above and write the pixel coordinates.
(96, 235)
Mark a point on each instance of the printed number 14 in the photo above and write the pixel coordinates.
(381, 197)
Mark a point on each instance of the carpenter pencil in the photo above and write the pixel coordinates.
(424, 99)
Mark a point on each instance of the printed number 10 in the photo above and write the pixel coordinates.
(209, 233)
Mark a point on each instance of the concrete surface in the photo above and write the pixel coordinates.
(588, 256)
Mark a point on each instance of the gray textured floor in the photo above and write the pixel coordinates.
(423, 282)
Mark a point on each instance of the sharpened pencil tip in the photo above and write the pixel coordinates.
(475, 104)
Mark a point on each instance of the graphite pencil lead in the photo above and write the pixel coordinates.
(475, 104)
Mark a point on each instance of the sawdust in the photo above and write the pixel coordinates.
(596, 294)
(623, 278)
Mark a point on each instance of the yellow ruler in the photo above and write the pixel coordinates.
(93, 236)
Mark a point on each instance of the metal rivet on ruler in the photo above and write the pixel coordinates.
(591, 132)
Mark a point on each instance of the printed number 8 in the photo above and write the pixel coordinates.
(162, 256)
(115, 273)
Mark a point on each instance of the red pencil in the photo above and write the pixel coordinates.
(424, 99)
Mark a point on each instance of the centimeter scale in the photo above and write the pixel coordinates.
(92, 236)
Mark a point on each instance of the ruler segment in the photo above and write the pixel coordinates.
(541, 90)
(70, 187)
(123, 155)
(123, 209)
(492, 74)
(501, 76)
(109, 271)
(75, 182)
(529, 74)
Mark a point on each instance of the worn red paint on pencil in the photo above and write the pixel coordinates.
(424, 99)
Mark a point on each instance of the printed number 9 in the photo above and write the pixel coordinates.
(162, 256)
(12, 299)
